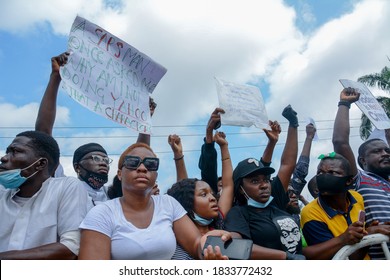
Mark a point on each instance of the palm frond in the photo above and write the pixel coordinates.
(380, 80)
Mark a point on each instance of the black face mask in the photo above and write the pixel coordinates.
(93, 179)
(332, 184)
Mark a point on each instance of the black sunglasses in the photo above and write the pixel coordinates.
(132, 162)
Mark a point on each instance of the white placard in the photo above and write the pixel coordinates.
(368, 104)
(110, 77)
(243, 105)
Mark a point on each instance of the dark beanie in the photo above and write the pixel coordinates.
(85, 149)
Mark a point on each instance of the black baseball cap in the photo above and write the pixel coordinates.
(247, 167)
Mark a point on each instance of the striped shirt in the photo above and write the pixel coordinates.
(376, 194)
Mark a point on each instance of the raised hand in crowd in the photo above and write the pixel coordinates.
(273, 137)
(208, 157)
(226, 195)
(213, 123)
(48, 107)
(174, 142)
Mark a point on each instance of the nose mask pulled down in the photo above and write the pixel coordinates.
(12, 179)
(256, 204)
(327, 183)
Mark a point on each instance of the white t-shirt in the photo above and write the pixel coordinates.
(56, 209)
(97, 195)
(156, 242)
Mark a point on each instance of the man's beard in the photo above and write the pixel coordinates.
(293, 209)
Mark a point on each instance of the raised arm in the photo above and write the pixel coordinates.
(341, 128)
(145, 138)
(273, 137)
(208, 157)
(48, 107)
(290, 151)
(226, 198)
(301, 170)
(178, 156)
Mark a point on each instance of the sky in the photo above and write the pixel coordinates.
(295, 51)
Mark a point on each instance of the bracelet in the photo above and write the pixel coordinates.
(267, 164)
(345, 103)
(179, 158)
(225, 158)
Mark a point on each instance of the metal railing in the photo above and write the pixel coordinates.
(367, 240)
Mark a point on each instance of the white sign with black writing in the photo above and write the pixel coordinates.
(110, 77)
(243, 105)
(368, 104)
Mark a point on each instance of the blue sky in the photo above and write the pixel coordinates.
(294, 51)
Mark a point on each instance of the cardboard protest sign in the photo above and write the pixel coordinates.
(110, 77)
(368, 104)
(243, 105)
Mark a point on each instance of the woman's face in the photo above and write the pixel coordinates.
(257, 187)
(140, 178)
(205, 203)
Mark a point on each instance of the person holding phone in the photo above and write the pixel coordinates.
(260, 213)
(140, 225)
(372, 179)
(199, 200)
(332, 220)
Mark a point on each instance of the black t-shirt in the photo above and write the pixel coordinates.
(269, 227)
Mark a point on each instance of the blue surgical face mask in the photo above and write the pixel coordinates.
(256, 204)
(12, 179)
(202, 221)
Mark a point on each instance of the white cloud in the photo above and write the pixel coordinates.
(194, 40)
(240, 41)
(26, 115)
(59, 13)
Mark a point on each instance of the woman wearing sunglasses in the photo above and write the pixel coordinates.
(140, 225)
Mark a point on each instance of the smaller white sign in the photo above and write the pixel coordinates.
(243, 105)
(368, 104)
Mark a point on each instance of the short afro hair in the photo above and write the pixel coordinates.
(44, 146)
(363, 149)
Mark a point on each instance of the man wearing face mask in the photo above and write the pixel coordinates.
(39, 214)
(372, 180)
(91, 163)
(332, 220)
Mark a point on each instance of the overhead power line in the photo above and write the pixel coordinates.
(154, 126)
(230, 148)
